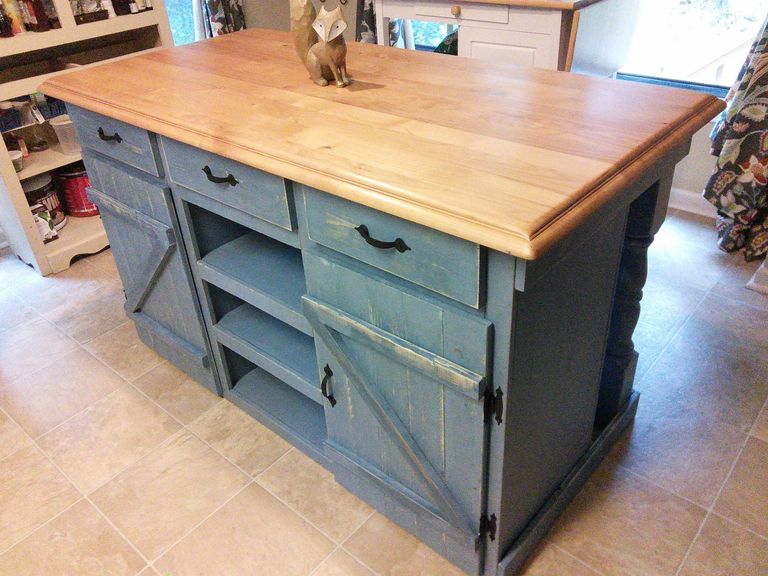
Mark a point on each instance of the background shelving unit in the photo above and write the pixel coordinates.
(26, 61)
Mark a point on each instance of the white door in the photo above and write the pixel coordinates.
(509, 47)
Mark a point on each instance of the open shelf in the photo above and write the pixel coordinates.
(68, 34)
(262, 272)
(39, 162)
(282, 409)
(278, 348)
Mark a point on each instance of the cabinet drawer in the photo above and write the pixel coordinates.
(442, 263)
(239, 186)
(118, 140)
(476, 12)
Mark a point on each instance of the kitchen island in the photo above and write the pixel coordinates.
(427, 281)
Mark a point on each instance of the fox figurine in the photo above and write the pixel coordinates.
(321, 47)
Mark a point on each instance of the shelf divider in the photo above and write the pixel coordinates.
(263, 272)
(285, 352)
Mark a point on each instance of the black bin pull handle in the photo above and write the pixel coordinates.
(398, 243)
(228, 179)
(324, 385)
(109, 138)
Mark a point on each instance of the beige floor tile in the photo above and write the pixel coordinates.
(311, 490)
(391, 551)
(13, 311)
(30, 346)
(734, 284)
(122, 350)
(78, 542)
(760, 429)
(85, 318)
(745, 495)
(14, 273)
(253, 533)
(158, 499)
(107, 437)
(12, 437)
(342, 564)
(549, 560)
(622, 525)
(239, 437)
(700, 399)
(106, 261)
(176, 392)
(77, 282)
(32, 492)
(149, 571)
(48, 397)
(725, 549)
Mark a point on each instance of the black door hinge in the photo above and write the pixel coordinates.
(493, 405)
(487, 528)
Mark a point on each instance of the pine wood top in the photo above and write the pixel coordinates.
(512, 158)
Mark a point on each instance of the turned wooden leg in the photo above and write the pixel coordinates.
(646, 214)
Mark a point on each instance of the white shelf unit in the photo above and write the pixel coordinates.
(25, 63)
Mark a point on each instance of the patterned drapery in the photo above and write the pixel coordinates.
(739, 186)
(223, 16)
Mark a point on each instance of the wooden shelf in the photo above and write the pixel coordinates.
(26, 86)
(39, 162)
(79, 236)
(281, 408)
(262, 272)
(30, 41)
(278, 348)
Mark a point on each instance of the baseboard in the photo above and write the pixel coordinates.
(690, 201)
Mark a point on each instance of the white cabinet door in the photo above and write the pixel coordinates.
(509, 47)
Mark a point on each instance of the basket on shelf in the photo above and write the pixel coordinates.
(9, 119)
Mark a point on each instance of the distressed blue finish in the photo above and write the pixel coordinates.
(137, 148)
(443, 263)
(465, 382)
(159, 293)
(257, 193)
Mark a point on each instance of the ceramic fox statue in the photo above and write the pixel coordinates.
(319, 42)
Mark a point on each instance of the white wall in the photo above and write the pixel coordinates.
(692, 174)
(275, 14)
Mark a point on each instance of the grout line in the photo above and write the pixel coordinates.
(324, 560)
(82, 497)
(579, 560)
(11, 546)
(726, 519)
(710, 509)
(166, 549)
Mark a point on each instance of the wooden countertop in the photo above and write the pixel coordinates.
(512, 158)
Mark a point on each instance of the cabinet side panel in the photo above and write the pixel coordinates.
(559, 338)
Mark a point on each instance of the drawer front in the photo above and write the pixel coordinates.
(128, 144)
(475, 12)
(239, 186)
(509, 47)
(442, 263)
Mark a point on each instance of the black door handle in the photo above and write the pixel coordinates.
(109, 138)
(228, 179)
(398, 243)
(324, 385)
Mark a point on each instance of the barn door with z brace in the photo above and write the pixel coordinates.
(408, 419)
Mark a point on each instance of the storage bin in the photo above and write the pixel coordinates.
(65, 132)
(74, 183)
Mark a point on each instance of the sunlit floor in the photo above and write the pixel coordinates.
(112, 462)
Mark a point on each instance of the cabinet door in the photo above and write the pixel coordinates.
(158, 290)
(509, 47)
(407, 413)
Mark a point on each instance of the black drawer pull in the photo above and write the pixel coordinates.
(228, 179)
(324, 385)
(398, 243)
(107, 138)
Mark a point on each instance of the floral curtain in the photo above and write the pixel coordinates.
(739, 186)
(223, 16)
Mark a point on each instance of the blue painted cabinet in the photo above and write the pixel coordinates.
(453, 387)
(140, 222)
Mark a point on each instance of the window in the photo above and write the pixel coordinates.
(694, 41)
(181, 17)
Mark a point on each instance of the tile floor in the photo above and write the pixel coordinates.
(113, 462)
